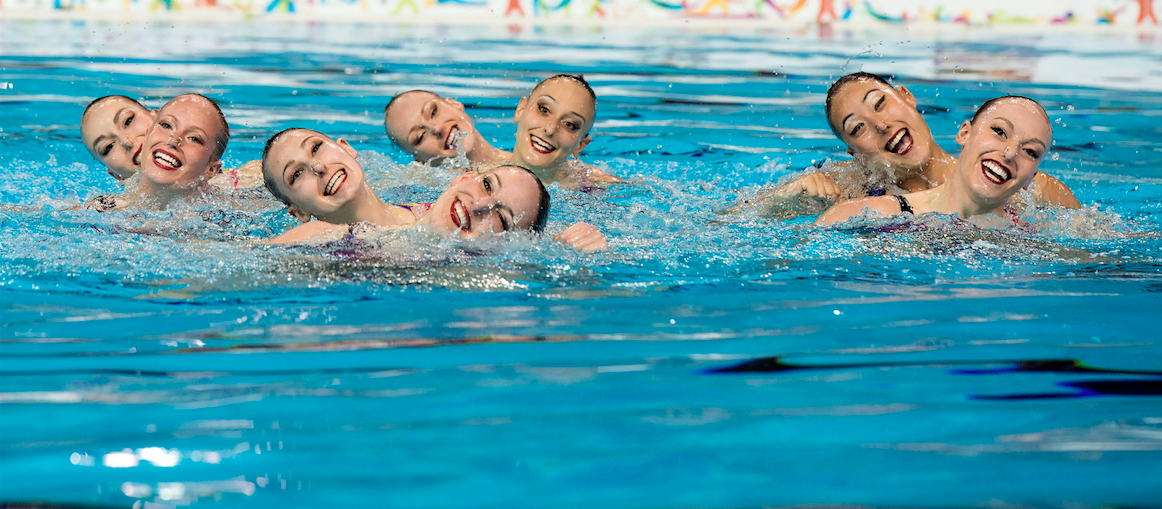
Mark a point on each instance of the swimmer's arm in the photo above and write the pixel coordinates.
(1054, 191)
(323, 232)
(807, 194)
(843, 211)
(599, 175)
(247, 176)
(107, 203)
(583, 237)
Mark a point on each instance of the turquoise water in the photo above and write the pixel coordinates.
(707, 360)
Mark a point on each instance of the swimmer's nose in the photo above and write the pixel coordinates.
(550, 128)
(882, 127)
(317, 167)
(483, 206)
(1010, 152)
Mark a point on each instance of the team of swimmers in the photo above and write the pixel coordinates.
(897, 166)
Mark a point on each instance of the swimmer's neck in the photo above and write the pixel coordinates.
(934, 172)
(162, 196)
(954, 197)
(484, 152)
(367, 207)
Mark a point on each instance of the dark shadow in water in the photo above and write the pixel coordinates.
(1091, 389)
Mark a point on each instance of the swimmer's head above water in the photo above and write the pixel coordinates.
(182, 149)
(879, 121)
(319, 177)
(553, 123)
(429, 127)
(113, 128)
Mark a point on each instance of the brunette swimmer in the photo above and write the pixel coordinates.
(1002, 146)
(884, 131)
(319, 177)
(553, 124)
(179, 155)
(113, 129)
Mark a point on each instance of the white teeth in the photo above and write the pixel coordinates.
(462, 214)
(453, 137)
(892, 145)
(542, 145)
(338, 178)
(166, 160)
(1000, 172)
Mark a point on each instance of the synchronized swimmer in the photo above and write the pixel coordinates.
(897, 166)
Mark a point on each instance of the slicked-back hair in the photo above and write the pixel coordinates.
(542, 217)
(267, 180)
(98, 100)
(842, 82)
(989, 104)
(223, 137)
(388, 108)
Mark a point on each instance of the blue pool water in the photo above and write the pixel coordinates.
(706, 360)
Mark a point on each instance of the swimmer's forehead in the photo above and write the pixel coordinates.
(186, 103)
(858, 90)
(111, 104)
(562, 89)
(291, 143)
(1022, 114)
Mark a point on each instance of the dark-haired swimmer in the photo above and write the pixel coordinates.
(319, 177)
(179, 155)
(893, 147)
(113, 129)
(1002, 147)
(553, 124)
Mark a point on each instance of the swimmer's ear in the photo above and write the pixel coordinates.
(962, 133)
(907, 95)
(850, 152)
(455, 103)
(347, 147)
(299, 214)
(520, 109)
(214, 169)
(581, 146)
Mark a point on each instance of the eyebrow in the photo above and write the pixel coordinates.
(100, 139)
(117, 116)
(303, 146)
(506, 225)
(843, 124)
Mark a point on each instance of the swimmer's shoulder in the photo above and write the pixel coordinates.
(1054, 191)
(323, 231)
(247, 176)
(886, 205)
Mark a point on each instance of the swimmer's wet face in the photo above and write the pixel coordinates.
(113, 129)
(428, 126)
(503, 199)
(879, 122)
(316, 176)
(553, 123)
(188, 136)
(1002, 147)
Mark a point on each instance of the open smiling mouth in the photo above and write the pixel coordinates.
(137, 156)
(540, 145)
(996, 172)
(454, 135)
(335, 183)
(166, 160)
(901, 143)
(460, 216)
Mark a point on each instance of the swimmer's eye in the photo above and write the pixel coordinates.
(1000, 132)
(106, 149)
(879, 103)
(196, 139)
(315, 147)
(1032, 153)
(165, 124)
(435, 108)
(855, 130)
(543, 109)
(419, 139)
(487, 185)
(505, 224)
(572, 126)
(295, 176)
(129, 120)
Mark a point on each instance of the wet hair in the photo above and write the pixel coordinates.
(989, 104)
(223, 137)
(266, 178)
(578, 79)
(842, 82)
(98, 100)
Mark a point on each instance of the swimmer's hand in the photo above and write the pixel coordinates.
(820, 185)
(107, 203)
(583, 237)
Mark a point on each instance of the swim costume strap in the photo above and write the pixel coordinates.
(904, 205)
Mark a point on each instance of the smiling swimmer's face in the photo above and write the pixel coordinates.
(113, 130)
(880, 122)
(1003, 148)
(179, 149)
(503, 199)
(552, 124)
(317, 175)
(428, 126)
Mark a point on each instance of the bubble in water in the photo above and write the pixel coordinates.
(1069, 107)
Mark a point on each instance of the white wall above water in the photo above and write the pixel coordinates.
(1027, 13)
